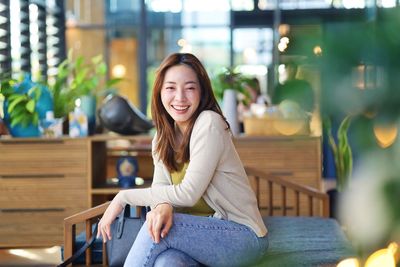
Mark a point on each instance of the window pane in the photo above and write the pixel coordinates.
(242, 5)
(294, 4)
(252, 46)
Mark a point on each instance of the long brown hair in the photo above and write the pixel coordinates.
(164, 122)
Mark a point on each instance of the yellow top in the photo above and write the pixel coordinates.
(201, 208)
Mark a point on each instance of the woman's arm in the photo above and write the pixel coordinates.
(207, 145)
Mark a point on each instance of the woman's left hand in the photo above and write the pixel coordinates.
(159, 221)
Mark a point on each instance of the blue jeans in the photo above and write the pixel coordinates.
(198, 241)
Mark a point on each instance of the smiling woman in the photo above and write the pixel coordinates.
(199, 183)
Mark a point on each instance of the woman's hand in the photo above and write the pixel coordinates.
(113, 210)
(159, 221)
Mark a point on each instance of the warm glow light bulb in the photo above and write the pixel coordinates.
(351, 262)
(119, 71)
(383, 257)
(385, 134)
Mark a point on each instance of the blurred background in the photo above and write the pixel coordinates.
(347, 50)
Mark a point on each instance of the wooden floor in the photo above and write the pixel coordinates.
(43, 257)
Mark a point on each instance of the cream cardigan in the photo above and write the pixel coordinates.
(215, 173)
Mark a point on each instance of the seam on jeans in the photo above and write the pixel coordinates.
(148, 255)
(151, 250)
(208, 227)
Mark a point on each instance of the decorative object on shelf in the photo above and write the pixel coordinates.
(78, 121)
(25, 103)
(229, 109)
(342, 154)
(228, 78)
(117, 114)
(51, 127)
(127, 168)
(341, 151)
(226, 85)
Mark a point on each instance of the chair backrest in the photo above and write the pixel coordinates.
(277, 196)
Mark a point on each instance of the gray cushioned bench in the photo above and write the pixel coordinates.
(305, 241)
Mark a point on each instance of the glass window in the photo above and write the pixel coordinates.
(253, 46)
(294, 4)
(386, 3)
(242, 5)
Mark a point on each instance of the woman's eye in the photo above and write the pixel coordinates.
(190, 88)
(169, 88)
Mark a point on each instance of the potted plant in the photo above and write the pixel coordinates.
(25, 103)
(77, 79)
(343, 158)
(229, 79)
(226, 85)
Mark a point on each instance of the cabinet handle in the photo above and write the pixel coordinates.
(32, 210)
(35, 176)
(283, 173)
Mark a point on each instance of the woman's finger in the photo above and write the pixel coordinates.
(158, 223)
(150, 226)
(166, 228)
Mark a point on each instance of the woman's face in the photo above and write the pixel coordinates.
(180, 94)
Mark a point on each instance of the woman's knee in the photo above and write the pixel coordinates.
(173, 257)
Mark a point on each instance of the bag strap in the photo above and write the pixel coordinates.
(120, 229)
(126, 213)
(80, 251)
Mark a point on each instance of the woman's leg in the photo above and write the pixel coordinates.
(210, 241)
(176, 258)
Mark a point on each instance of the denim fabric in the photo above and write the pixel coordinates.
(176, 258)
(205, 240)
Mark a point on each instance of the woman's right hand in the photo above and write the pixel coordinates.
(159, 221)
(113, 210)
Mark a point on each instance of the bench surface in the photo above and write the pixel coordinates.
(305, 241)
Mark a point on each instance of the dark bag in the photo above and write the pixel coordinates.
(124, 230)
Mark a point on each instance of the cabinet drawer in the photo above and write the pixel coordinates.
(33, 227)
(43, 157)
(53, 191)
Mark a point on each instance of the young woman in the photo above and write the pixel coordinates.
(204, 211)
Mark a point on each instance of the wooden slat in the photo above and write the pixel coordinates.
(284, 185)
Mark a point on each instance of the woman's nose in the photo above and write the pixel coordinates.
(180, 94)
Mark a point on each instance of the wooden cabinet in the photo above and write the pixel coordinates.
(41, 183)
(295, 158)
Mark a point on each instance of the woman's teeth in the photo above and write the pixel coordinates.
(180, 108)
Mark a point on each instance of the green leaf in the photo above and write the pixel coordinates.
(101, 68)
(30, 106)
(16, 102)
(16, 120)
(112, 82)
(97, 59)
(35, 120)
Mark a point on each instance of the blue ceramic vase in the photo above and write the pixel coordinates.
(44, 104)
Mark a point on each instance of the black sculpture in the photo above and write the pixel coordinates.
(118, 115)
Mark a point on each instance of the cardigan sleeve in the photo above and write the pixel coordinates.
(206, 147)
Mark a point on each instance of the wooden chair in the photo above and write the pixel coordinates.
(274, 182)
(89, 216)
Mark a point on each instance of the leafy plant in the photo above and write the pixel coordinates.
(228, 78)
(21, 107)
(74, 79)
(341, 151)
